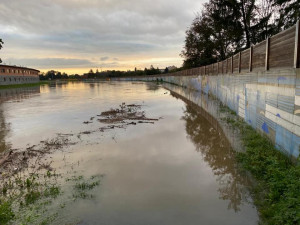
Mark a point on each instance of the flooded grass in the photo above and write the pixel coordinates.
(277, 190)
(23, 85)
(28, 198)
(27, 192)
(82, 186)
(6, 212)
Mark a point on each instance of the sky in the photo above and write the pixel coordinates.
(75, 36)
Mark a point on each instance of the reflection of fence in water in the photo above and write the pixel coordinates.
(210, 110)
(214, 147)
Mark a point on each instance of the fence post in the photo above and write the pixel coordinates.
(240, 58)
(231, 64)
(222, 66)
(250, 59)
(297, 48)
(227, 66)
(267, 54)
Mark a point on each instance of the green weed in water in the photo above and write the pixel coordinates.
(82, 186)
(6, 212)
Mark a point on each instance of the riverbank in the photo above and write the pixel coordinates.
(276, 193)
(23, 85)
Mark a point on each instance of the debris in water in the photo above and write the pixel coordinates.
(124, 113)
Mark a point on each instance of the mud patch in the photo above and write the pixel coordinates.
(16, 160)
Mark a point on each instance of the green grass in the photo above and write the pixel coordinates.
(29, 194)
(23, 85)
(6, 212)
(277, 189)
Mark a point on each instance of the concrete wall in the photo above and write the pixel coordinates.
(269, 101)
(11, 79)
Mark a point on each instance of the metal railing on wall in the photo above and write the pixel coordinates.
(279, 51)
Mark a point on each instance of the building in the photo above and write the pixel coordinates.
(18, 75)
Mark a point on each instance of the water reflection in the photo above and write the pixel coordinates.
(153, 173)
(17, 94)
(203, 130)
(4, 129)
(152, 86)
(14, 95)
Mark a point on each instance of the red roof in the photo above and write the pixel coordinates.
(18, 67)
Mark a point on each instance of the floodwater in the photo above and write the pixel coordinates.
(179, 170)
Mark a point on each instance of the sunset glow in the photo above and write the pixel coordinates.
(75, 36)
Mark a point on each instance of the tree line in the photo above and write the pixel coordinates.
(117, 73)
(53, 75)
(225, 27)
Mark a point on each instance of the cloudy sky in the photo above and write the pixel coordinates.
(76, 35)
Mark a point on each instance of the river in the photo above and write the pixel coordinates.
(178, 169)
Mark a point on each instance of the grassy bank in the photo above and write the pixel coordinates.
(277, 190)
(23, 85)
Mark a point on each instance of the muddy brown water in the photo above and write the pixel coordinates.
(179, 170)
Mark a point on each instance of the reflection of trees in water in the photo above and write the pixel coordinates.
(217, 152)
(152, 86)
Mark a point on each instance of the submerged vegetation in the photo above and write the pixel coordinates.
(277, 188)
(24, 197)
(30, 187)
(82, 186)
(27, 199)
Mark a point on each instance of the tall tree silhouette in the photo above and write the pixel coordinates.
(1, 43)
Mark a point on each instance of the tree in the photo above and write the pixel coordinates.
(225, 27)
(289, 12)
(266, 14)
(215, 34)
(198, 48)
(1, 43)
(51, 75)
(227, 30)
